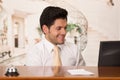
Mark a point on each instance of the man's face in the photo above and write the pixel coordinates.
(56, 33)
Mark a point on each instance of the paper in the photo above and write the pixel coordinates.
(80, 72)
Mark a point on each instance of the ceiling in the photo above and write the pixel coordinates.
(23, 8)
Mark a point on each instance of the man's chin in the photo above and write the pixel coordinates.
(61, 42)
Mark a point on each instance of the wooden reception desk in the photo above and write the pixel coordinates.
(46, 73)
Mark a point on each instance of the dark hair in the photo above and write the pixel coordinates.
(50, 14)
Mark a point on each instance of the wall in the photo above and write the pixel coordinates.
(100, 16)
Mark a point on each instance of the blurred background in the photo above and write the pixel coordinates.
(89, 22)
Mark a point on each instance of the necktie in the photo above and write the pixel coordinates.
(57, 60)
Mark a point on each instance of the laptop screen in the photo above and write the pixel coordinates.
(109, 53)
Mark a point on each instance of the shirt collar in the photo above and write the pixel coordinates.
(60, 46)
(48, 45)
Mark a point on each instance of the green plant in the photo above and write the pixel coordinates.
(72, 26)
(39, 30)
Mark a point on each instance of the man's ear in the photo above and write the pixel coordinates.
(45, 29)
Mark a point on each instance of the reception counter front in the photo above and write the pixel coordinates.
(46, 73)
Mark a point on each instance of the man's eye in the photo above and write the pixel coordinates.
(58, 28)
(65, 28)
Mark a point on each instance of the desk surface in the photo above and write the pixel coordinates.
(27, 72)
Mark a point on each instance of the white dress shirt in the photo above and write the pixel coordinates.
(41, 54)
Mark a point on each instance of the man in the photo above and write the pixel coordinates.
(53, 21)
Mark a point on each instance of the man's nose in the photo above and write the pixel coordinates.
(63, 31)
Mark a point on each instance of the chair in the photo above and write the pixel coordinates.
(109, 53)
